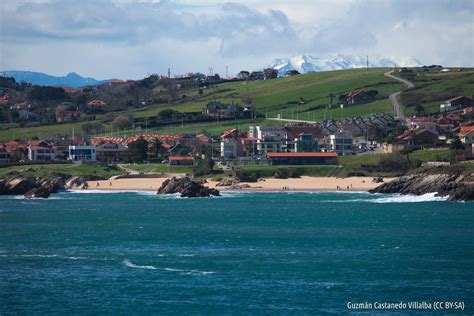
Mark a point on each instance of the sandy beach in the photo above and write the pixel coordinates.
(269, 184)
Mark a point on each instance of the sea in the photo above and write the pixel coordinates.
(272, 253)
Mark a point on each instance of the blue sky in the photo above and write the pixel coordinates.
(130, 39)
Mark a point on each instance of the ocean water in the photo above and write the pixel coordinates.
(243, 253)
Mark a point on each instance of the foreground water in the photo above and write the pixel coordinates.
(274, 253)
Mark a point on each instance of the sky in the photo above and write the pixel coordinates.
(130, 39)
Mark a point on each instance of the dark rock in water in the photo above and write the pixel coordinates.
(40, 192)
(186, 187)
(452, 185)
(30, 186)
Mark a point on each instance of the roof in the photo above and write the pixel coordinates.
(467, 129)
(250, 139)
(307, 154)
(180, 158)
(456, 98)
(96, 102)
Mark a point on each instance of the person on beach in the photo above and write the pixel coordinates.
(110, 183)
(97, 184)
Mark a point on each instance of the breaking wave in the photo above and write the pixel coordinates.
(130, 264)
(409, 198)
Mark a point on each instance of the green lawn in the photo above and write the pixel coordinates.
(158, 167)
(433, 88)
(69, 169)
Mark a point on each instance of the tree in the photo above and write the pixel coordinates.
(92, 127)
(121, 122)
(47, 94)
(332, 96)
(203, 167)
(138, 150)
(419, 109)
(456, 144)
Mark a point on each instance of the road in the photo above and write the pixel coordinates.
(393, 97)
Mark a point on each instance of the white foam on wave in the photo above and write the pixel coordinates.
(129, 264)
(51, 256)
(409, 198)
(187, 255)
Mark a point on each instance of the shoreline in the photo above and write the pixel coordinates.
(303, 183)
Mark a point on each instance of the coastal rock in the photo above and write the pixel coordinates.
(76, 183)
(226, 182)
(30, 186)
(452, 185)
(186, 187)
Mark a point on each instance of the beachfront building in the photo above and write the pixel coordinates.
(232, 144)
(82, 153)
(269, 138)
(466, 134)
(303, 138)
(340, 143)
(41, 151)
(111, 153)
(306, 158)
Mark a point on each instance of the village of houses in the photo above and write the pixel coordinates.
(295, 143)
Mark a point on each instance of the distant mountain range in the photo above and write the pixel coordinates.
(72, 79)
(308, 63)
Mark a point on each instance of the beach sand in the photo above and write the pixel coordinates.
(269, 184)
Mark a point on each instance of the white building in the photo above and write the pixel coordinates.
(82, 153)
(341, 143)
(41, 151)
(270, 138)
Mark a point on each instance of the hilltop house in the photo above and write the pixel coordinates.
(40, 150)
(219, 110)
(291, 73)
(96, 103)
(455, 104)
(270, 73)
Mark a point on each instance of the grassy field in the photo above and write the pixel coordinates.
(271, 97)
(157, 167)
(69, 169)
(433, 88)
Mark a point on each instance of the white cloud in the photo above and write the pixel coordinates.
(130, 38)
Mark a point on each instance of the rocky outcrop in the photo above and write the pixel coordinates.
(186, 187)
(227, 182)
(76, 183)
(452, 185)
(31, 186)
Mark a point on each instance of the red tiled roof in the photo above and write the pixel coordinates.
(307, 154)
(249, 139)
(180, 158)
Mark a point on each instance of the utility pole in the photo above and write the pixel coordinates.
(367, 61)
(169, 73)
(227, 72)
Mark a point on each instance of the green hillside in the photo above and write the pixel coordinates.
(433, 88)
(270, 97)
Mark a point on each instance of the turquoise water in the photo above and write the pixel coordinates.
(272, 253)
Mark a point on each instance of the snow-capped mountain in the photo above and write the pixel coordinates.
(308, 63)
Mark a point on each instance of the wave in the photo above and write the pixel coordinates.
(409, 198)
(130, 264)
(50, 256)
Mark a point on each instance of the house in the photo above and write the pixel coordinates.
(291, 73)
(269, 138)
(82, 153)
(356, 96)
(17, 149)
(420, 137)
(303, 138)
(181, 160)
(340, 142)
(456, 103)
(270, 73)
(110, 153)
(5, 100)
(306, 158)
(96, 103)
(25, 115)
(5, 156)
(256, 75)
(243, 75)
(466, 134)
(231, 144)
(67, 116)
(219, 110)
(41, 151)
